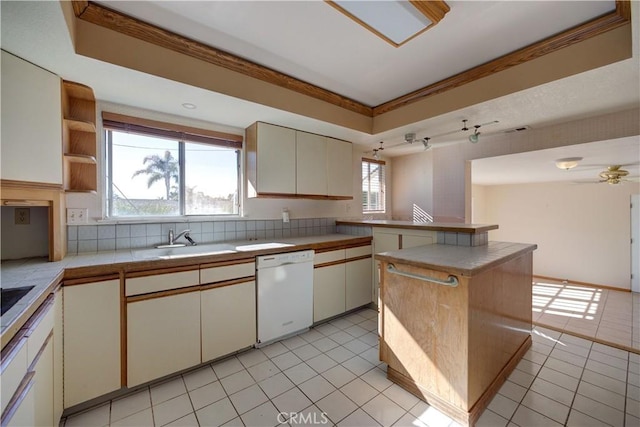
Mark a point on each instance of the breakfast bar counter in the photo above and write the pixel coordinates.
(455, 321)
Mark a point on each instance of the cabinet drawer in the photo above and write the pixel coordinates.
(359, 251)
(14, 368)
(161, 282)
(39, 330)
(227, 272)
(331, 256)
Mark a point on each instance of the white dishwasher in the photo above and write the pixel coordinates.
(285, 295)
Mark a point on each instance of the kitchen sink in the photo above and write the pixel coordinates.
(184, 251)
(11, 296)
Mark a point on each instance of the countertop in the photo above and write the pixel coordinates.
(454, 227)
(45, 276)
(458, 260)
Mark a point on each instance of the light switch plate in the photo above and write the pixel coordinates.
(77, 216)
(23, 216)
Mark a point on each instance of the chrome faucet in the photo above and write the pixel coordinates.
(184, 233)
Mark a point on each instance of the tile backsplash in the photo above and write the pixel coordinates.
(111, 237)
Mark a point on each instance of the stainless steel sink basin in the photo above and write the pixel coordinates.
(184, 251)
(11, 296)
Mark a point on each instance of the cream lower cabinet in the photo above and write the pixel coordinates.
(43, 388)
(23, 412)
(358, 290)
(163, 336)
(58, 351)
(30, 396)
(91, 340)
(328, 291)
(392, 239)
(228, 319)
(341, 281)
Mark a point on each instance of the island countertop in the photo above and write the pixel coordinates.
(456, 227)
(462, 260)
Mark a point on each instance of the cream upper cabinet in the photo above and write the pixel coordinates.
(91, 340)
(339, 168)
(311, 170)
(290, 163)
(163, 336)
(228, 319)
(271, 160)
(31, 122)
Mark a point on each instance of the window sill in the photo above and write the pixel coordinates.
(164, 219)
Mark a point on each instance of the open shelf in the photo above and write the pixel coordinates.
(79, 125)
(79, 138)
(80, 158)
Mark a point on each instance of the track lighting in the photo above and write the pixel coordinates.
(376, 150)
(475, 137)
(410, 137)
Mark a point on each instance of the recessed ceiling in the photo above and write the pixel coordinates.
(316, 43)
(539, 166)
(312, 41)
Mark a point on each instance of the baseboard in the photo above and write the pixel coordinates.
(589, 338)
(575, 282)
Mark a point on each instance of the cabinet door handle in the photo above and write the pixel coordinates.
(451, 281)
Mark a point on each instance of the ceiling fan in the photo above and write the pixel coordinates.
(614, 175)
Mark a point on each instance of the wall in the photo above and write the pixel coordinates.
(582, 231)
(31, 122)
(412, 185)
(479, 205)
(23, 241)
(449, 162)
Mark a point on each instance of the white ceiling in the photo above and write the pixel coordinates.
(539, 166)
(314, 42)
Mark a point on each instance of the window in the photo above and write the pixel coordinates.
(373, 185)
(153, 171)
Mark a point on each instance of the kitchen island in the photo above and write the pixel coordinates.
(455, 321)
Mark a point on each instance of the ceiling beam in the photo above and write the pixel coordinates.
(127, 25)
(580, 33)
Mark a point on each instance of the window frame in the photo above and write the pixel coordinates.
(382, 186)
(180, 134)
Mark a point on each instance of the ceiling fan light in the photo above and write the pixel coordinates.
(568, 163)
(474, 138)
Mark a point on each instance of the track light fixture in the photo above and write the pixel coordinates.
(410, 137)
(475, 137)
(376, 150)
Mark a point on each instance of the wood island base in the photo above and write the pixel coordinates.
(455, 321)
(463, 418)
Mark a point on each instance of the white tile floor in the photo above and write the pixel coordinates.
(331, 376)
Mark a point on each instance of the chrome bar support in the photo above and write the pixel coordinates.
(452, 281)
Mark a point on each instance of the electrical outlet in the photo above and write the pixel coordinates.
(77, 216)
(23, 216)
